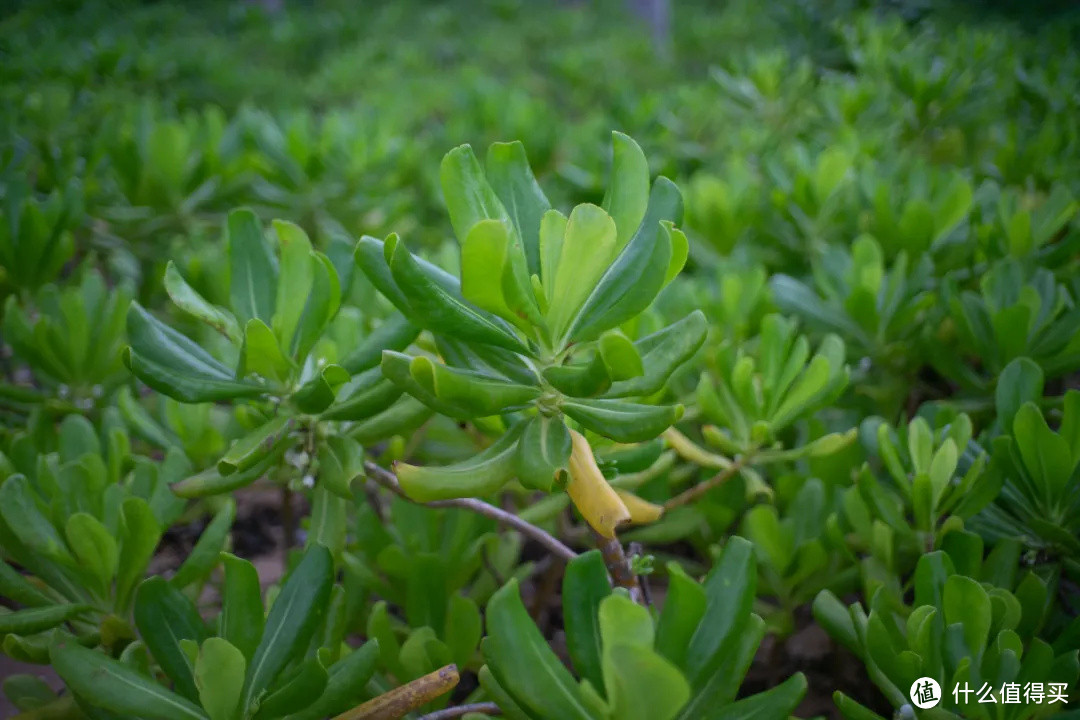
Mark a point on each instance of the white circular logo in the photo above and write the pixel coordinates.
(925, 693)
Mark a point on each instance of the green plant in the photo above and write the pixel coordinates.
(286, 368)
(72, 339)
(688, 663)
(1014, 313)
(1037, 469)
(288, 662)
(541, 345)
(36, 236)
(970, 638)
(83, 522)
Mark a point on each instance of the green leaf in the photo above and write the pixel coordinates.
(585, 585)
(439, 308)
(190, 301)
(623, 421)
(253, 272)
(779, 702)
(211, 482)
(852, 710)
(931, 572)
(204, 556)
(643, 685)
(165, 617)
(219, 676)
(632, 281)
(402, 417)
(393, 333)
(620, 356)
(397, 367)
(543, 458)
(35, 620)
(587, 249)
(469, 197)
(257, 445)
(294, 281)
(341, 460)
(484, 261)
(479, 476)
(813, 383)
(174, 365)
(95, 548)
(475, 393)
(524, 665)
(552, 236)
(263, 355)
(347, 678)
(965, 549)
(241, 620)
(627, 195)
(77, 438)
(680, 253)
(942, 467)
(683, 609)
(363, 396)
(292, 621)
(965, 602)
(729, 590)
(327, 524)
(834, 618)
(304, 683)
(512, 179)
(28, 692)
(320, 307)
(662, 353)
(26, 521)
(623, 621)
(14, 585)
(379, 628)
(464, 626)
(139, 536)
(580, 380)
(141, 422)
(1046, 454)
(507, 704)
(722, 686)
(108, 684)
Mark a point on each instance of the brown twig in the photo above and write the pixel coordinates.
(400, 701)
(636, 548)
(389, 481)
(487, 708)
(691, 494)
(618, 566)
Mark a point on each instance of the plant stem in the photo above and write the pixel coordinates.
(695, 492)
(389, 481)
(618, 566)
(487, 708)
(400, 701)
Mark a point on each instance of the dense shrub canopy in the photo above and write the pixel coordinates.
(521, 359)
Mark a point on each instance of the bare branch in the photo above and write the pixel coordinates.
(693, 493)
(488, 708)
(400, 701)
(389, 481)
(618, 566)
